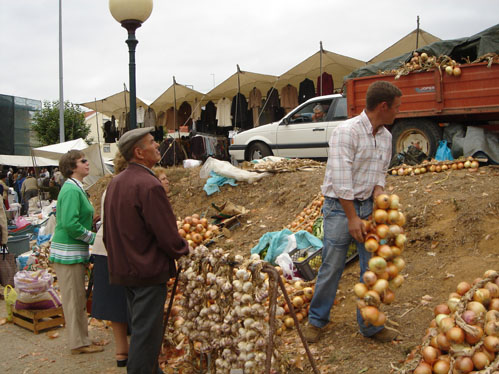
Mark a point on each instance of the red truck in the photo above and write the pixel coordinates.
(432, 99)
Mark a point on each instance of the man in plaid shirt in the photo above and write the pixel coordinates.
(359, 154)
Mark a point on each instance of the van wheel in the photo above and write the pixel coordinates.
(423, 132)
(257, 151)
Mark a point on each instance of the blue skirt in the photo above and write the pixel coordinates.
(108, 301)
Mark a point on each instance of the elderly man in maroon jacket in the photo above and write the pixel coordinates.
(141, 237)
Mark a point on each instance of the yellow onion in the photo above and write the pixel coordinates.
(388, 297)
(394, 201)
(441, 367)
(399, 263)
(377, 264)
(491, 343)
(371, 245)
(396, 282)
(385, 251)
(396, 251)
(482, 295)
(380, 286)
(380, 321)
(423, 368)
(463, 287)
(477, 307)
(480, 360)
(455, 335)
(474, 338)
(380, 216)
(369, 278)
(400, 241)
(394, 230)
(360, 290)
(382, 231)
(430, 354)
(372, 298)
(383, 201)
(370, 313)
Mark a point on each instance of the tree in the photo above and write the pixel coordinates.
(46, 123)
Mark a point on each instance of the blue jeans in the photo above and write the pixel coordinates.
(337, 239)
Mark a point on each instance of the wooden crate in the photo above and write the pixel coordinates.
(38, 320)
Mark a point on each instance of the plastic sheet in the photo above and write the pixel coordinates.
(226, 169)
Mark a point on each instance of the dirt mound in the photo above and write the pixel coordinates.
(452, 226)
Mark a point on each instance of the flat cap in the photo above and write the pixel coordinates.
(128, 140)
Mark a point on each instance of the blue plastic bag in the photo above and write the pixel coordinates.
(443, 152)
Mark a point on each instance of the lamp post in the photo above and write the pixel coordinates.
(131, 14)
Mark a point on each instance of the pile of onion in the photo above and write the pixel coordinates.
(386, 241)
(306, 218)
(464, 335)
(436, 167)
(300, 294)
(196, 230)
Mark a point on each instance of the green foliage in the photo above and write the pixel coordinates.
(46, 123)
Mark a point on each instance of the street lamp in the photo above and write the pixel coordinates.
(131, 14)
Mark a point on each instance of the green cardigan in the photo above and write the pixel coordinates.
(74, 221)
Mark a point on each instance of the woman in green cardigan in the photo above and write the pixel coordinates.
(69, 249)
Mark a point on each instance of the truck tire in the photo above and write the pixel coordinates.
(257, 151)
(411, 131)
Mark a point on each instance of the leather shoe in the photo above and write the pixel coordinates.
(92, 348)
(385, 336)
(311, 333)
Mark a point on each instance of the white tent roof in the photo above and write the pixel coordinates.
(92, 153)
(26, 161)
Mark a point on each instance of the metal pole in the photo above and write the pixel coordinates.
(417, 34)
(321, 67)
(131, 26)
(61, 93)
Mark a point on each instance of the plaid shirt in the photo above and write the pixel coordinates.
(357, 160)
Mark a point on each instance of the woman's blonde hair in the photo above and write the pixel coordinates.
(158, 170)
(119, 162)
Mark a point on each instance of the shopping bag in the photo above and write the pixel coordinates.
(10, 296)
(443, 152)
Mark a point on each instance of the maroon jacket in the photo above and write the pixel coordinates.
(140, 230)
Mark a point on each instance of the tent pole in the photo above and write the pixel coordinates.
(237, 96)
(417, 33)
(98, 137)
(126, 109)
(175, 119)
(320, 66)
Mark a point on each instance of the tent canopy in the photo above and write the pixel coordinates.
(92, 153)
(176, 92)
(247, 81)
(27, 161)
(405, 45)
(335, 64)
(114, 104)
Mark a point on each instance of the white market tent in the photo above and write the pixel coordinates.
(92, 153)
(27, 161)
(322, 61)
(415, 39)
(176, 94)
(114, 104)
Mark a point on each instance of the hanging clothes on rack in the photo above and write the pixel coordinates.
(272, 108)
(184, 114)
(210, 117)
(239, 111)
(170, 119)
(141, 112)
(255, 102)
(196, 110)
(150, 118)
(223, 113)
(289, 97)
(327, 84)
(306, 91)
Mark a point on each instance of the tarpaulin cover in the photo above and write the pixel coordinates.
(471, 47)
(114, 104)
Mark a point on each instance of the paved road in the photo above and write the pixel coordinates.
(23, 352)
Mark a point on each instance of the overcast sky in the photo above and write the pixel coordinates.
(200, 42)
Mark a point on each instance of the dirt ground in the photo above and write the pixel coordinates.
(452, 226)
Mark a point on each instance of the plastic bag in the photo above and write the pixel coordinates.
(21, 222)
(33, 281)
(44, 300)
(226, 169)
(288, 268)
(10, 296)
(443, 152)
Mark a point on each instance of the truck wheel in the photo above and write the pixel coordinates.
(421, 131)
(257, 151)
